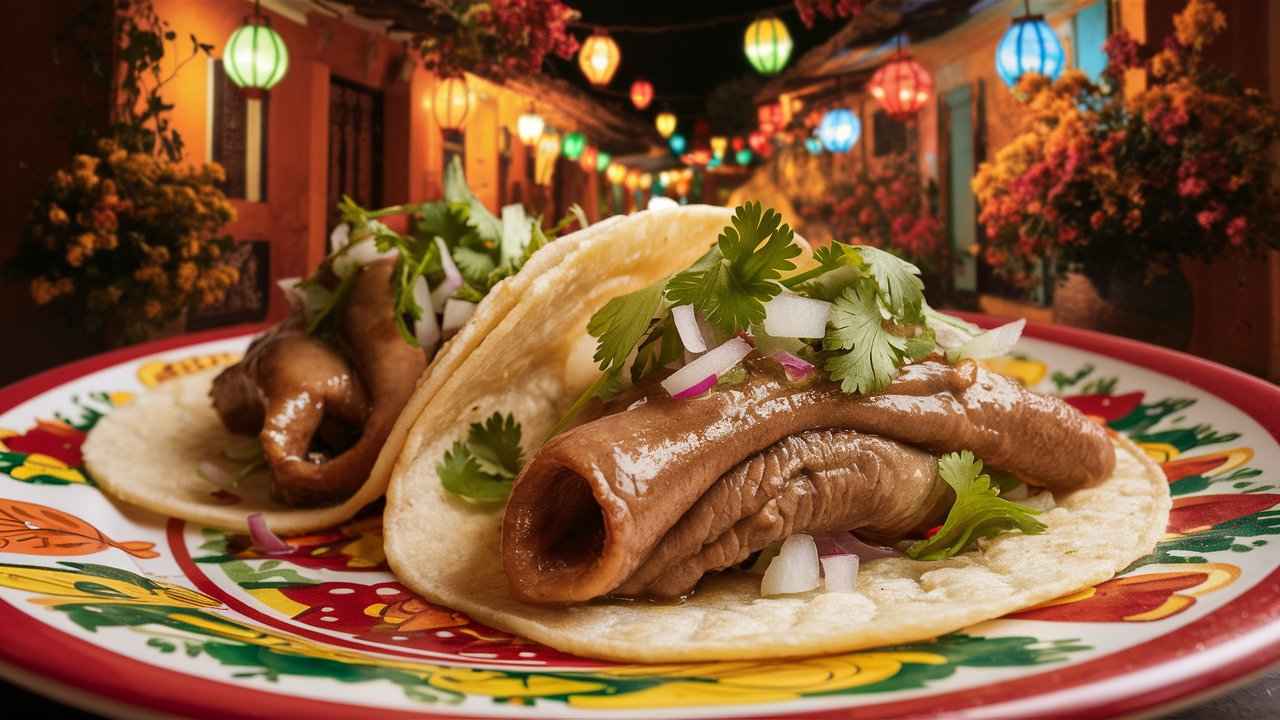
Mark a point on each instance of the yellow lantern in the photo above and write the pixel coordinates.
(666, 124)
(616, 173)
(544, 165)
(645, 182)
(633, 180)
(452, 102)
(529, 127)
(599, 58)
(719, 144)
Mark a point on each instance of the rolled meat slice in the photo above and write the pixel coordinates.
(596, 502)
(323, 415)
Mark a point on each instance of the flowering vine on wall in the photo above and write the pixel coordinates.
(496, 38)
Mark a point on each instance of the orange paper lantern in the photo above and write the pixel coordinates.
(641, 94)
(599, 58)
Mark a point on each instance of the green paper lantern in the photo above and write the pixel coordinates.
(573, 145)
(255, 58)
(602, 161)
(743, 157)
(767, 44)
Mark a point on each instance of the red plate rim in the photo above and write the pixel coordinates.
(1237, 640)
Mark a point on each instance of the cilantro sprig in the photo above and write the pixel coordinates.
(482, 467)
(978, 512)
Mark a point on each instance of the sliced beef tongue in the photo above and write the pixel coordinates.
(814, 482)
(324, 412)
(599, 501)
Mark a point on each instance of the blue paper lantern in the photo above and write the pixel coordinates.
(813, 145)
(677, 144)
(839, 130)
(1029, 46)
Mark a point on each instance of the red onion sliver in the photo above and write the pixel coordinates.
(452, 278)
(686, 321)
(993, 343)
(848, 544)
(697, 388)
(713, 363)
(426, 328)
(265, 541)
(215, 475)
(797, 367)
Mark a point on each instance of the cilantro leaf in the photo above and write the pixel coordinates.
(622, 322)
(474, 265)
(482, 468)
(661, 346)
(899, 284)
(978, 511)
(731, 284)
(872, 354)
(456, 192)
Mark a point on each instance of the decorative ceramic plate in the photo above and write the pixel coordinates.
(126, 612)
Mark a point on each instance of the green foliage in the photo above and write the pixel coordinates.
(481, 468)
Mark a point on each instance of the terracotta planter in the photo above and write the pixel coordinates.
(1159, 312)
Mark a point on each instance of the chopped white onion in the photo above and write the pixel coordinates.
(292, 292)
(1042, 500)
(216, 476)
(657, 202)
(1017, 493)
(794, 570)
(361, 253)
(456, 314)
(452, 278)
(687, 325)
(339, 238)
(993, 343)
(950, 332)
(840, 573)
(793, 316)
(265, 541)
(427, 327)
(712, 363)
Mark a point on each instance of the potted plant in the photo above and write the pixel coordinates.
(127, 238)
(1114, 190)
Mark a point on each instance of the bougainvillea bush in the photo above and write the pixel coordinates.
(1130, 184)
(496, 38)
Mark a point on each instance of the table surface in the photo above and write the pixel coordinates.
(1257, 700)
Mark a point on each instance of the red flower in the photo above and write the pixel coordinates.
(1212, 216)
(1122, 53)
(1236, 230)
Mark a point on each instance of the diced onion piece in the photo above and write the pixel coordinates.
(793, 316)
(294, 294)
(797, 368)
(697, 388)
(687, 325)
(265, 541)
(452, 278)
(339, 238)
(243, 449)
(712, 363)
(361, 253)
(794, 570)
(1042, 500)
(1017, 493)
(993, 343)
(951, 332)
(216, 475)
(840, 573)
(456, 314)
(427, 327)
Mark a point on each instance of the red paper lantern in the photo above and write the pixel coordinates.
(641, 94)
(588, 158)
(769, 117)
(758, 141)
(738, 143)
(902, 86)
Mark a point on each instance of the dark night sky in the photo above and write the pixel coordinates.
(683, 66)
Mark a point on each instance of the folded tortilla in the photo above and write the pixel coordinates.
(538, 360)
(148, 453)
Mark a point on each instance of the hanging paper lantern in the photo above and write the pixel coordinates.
(641, 94)
(549, 145)
(768, 45)
(769, 117)
(902, 86)
(602, 161)
(757, 140)
(813, 145)
(529, 127)
(719, 144)
(452, 102)
(573, 144)
(633, 180)
(666, 124)
(588, 159)
(544, 163)
(645, 181)
(839, 130)
(255, 58)
(743, 157)
(616, 173)
(1029, 46)
(677, 143)
(599, 58)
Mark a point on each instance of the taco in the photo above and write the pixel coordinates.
(669, 453)
(301, 432)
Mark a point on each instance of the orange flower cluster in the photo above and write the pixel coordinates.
(129, 235)
(1132, 183)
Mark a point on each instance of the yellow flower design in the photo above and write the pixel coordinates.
(39, 465)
